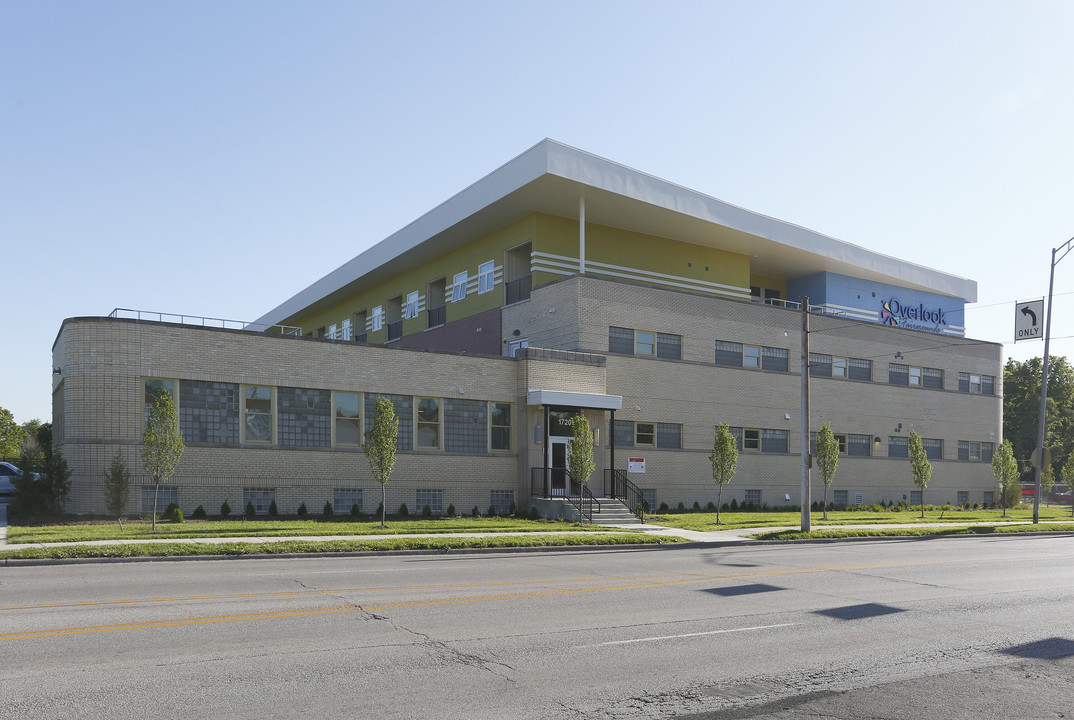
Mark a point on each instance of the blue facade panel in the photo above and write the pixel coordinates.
(881, 303)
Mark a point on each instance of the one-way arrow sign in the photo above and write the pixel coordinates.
(1027, 320)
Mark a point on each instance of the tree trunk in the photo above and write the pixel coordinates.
(156, 487)
(825, 501)
(719, 496)
(383, 507)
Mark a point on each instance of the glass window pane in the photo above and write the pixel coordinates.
(428, 410)
(751, 356)
(645, 343)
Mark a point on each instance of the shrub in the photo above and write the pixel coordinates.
(302, 511)
(273, 511)
(734, 504)
(492, 511)
(664, 507)
(403, 510)
(427, 512)
(513, 509)
(250, 512)
(225, 510)
(173, 513)
(476, 512)
(976, 506)
(355, 510)
(711, 507)
(681, 507)
(725, 508)
(199, 512)
(380, 509)
(534, 515)
(451, 511)
(696, 507)
(327, 512)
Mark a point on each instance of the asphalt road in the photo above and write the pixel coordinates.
(969, 627)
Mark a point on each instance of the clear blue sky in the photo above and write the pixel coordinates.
(213, 158)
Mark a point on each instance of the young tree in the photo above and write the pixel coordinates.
(1068, 478)
(580, 451)
(117, 486)
(1005, 468)
(1047, 482)
(827, 459)
(724, 460)
(920, 467)
(379, 447)
(162, 444)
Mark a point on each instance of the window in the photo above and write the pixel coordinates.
(932, 378)
(769, 296)
(898, 447)
(466, 425)
(989, 497)
(915, 376)
(436, 310)
(348, 419)
(621, 340)
(166, 495)
(517, 278)
(751, 356)
(820, 365)
(839, 497)
(839, 367)
(668, 435)
(500, 426)
(347, 334)
(963, 498)
(644, 343)
(644, 433)
(774, 359)
(859, 445)
(858, 369)
(669, 347)
(393, 310)
(501, 501)
(344, 500)
(377, 321)
(969, 451)
(428, 423)
(751, 439)
(434, 499)
(515, 346)
(410, 310)
(486, 278)
(257, 414)
(933, 448)
(458, 287)
(260, 498)
(154, 388)
(333, 332)
(978, 384)
(648, 496)
(898, 374)
(361, 325)
(728, 353)
(915, 497)
(753, 496)
(624, 433)
(774, 441)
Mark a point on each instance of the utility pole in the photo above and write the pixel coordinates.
(806, 456)
(1065, 248)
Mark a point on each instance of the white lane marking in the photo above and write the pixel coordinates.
(686, 635)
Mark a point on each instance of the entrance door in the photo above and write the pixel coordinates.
(557, 462)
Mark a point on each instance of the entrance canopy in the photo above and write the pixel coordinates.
(589, 401)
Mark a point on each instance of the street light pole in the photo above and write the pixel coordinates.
(805, 416)
(1065, 248)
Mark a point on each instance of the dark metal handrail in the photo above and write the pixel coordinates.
(437, 316)
(617, 485)
(573, 492)
(395, 330)
(518, 290)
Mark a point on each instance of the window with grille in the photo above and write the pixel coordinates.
(774, 359)
(753, 496)
(858, 369)
(774, 441)
(963, 497)
(915, 497)
(621, 340)
(624, 433)
(486, 278)
(458, 287)
(260, 498)
(668, 346)
(433, 498)
(728, 353)
(898, 447)
(933, 448)
(166, 495)
(344, 500)
(502, 500)
(839, 497)
(859, 445)
(668, 435)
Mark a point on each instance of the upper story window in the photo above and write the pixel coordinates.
(751, 356)
(898, 447)
(410, 308)
(154, 388)
(975, 451)
(377, 321)
(347, 334)
(644, 343)
(500, 426)
(428, 411)
(348, 419)
(765, 295)
(912, 376)
(257, 412)
(486, 277)
(458, 287)
(641, 342)
(978, 384)
(644, 433)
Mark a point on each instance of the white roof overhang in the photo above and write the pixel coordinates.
(551, 177)
(591, 401)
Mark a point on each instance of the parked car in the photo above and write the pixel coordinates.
(1061, 498)
(8, 473)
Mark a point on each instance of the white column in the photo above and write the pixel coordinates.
(581, 234)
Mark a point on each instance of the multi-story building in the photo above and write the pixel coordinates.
(562, 283)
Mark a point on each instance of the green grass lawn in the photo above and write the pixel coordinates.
(138, 530)
(706, 521)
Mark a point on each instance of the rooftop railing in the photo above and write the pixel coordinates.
(200, 321)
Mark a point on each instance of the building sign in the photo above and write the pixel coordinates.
(912, 317)
(636, 465)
